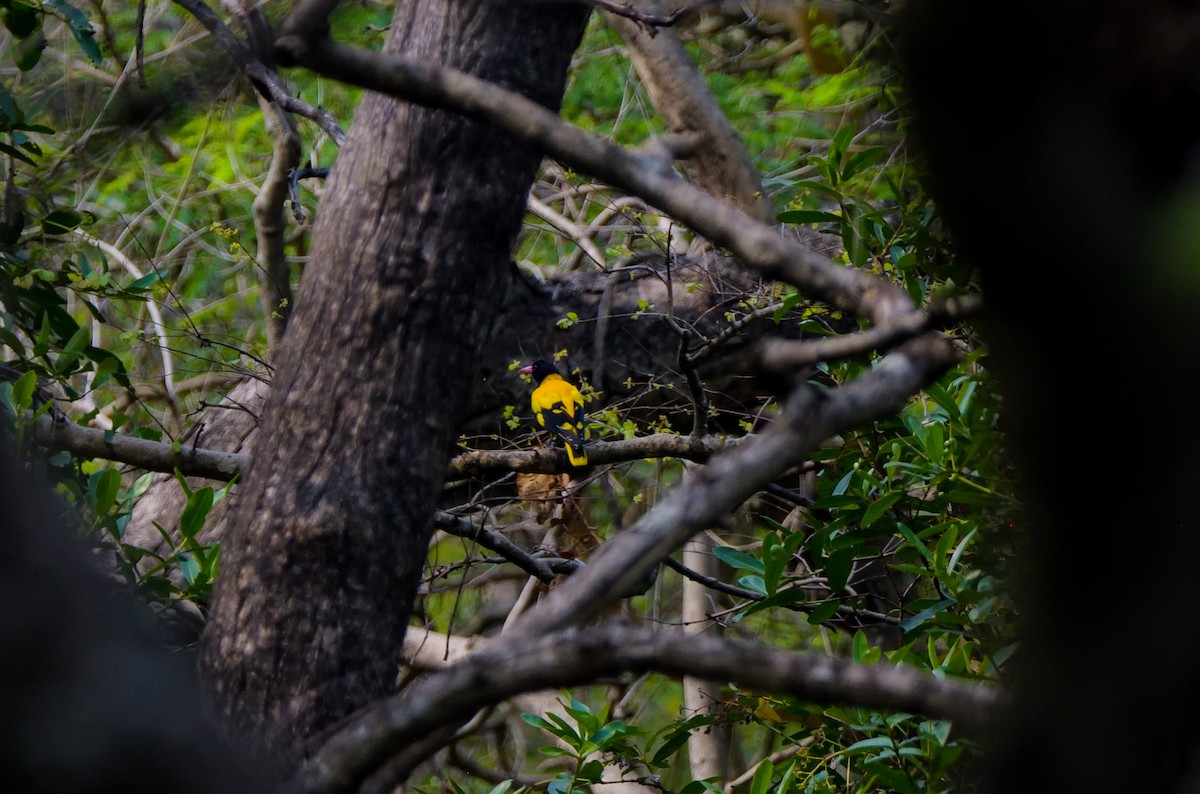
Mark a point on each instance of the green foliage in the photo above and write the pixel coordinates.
(591, 736)
(166, 174)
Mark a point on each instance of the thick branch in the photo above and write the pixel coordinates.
(303, 41)
(719, 163)
(730, 478)
(149, 455)
(194, 461)
(568, 658)
(553, 460)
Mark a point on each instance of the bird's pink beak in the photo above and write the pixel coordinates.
(527, 370)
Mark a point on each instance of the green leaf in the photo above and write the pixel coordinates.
(144, 283)
(28, 51)
(819, 187)
(864, 652)
(873, 743)
(64, 364)
(840, 143)
(837, 569)
(13, 151)
(23, 389)
(910, 623)
(786, 783)
(822, 613)
(761, 782)
(862, 159)
(61, 221)
(835, 502)
(775, 559)
(738, 560)
(81, 28)
(914, 541)
(21, 19)
(675, 736)
(189, 567)
(195, 512)
(755, 583)
(935, 443)
(876, 509)
(782, 598)
(943, 398)
(952, 563)
(808, 216)
(104, 486)
(843, 484)
(943, 548)
(591, 772)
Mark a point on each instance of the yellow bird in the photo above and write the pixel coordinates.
(558, 407)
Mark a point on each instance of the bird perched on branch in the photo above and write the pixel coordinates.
(558, 407)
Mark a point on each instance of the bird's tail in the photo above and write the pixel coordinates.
(575, 454)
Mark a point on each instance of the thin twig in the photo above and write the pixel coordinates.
(265, 79)
(544, 569)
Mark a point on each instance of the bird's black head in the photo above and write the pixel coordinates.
(540, 369)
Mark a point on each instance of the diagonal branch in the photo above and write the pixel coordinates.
(732, 477)
(304, 41)
(571, 657)
(544, 569)
(265, 79)
(541, 649)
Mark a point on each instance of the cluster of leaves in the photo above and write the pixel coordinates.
(103, 218)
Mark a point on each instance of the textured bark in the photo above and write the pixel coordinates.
(707, 748)
(322, 560)
(720, 164)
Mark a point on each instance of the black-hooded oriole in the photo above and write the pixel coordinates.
(558, 407)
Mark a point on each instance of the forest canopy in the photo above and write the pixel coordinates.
(787, 563)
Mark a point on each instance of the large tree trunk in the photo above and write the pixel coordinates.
(321, 563)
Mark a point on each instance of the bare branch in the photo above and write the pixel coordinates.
(780, 355)
(655, 19)
(571, 657)
(855, 617)
(217, 465)
(551, 460)
(275, 283)
(149, 455)
(544, 569)
(707, 750)
(686, 104)
(541, 650)
(265, 79)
